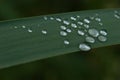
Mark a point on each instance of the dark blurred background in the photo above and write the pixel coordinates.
(98, 64)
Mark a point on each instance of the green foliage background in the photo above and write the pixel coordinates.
(99, 64)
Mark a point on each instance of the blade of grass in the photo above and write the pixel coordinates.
(22, 41)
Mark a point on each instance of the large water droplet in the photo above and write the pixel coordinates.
(90, 39)
(103, 32)
(63, 33)
(84, 47)
(63, 27)
(102, 38)
(66, 42)
(93, 32)
(81, 33)
(44, 32)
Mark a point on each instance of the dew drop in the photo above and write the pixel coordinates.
(86, 21)
(81, 33)
(45, 18)
(63, 27)
(80, 23)
(101, 24)
(69, 30)
(78, 16)
(58, 19)
(93, 32)
(86, 26)
(66, 22)
(29, 30)
(103, 32)
(15, 27)
(66, 42)
(73, 18)
(44, 32)
(98, 19)
(63, 33)
(117, 16)
(102, 38)
(51, 18)
(91, 18)
(90, 39)
(23, 26)
(73, 25)
(84, 47)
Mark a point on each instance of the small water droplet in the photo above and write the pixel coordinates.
(66, 42)
(90, 39)
(15, 27)
(73, 25)
(69, 30)
(101, 24)
(58, 19)
(84, 47)
(29, 30)
(86, 26)
(103, 32)
(66, 22)
(51, 18)
(92, 18)
(78, 16)
(80, 23)
(63, 27)
(44, 32)
(98, 19)
(23, 26)
(81, 33)
(102, 38)
(63, 33)
(73, 18)
(45, 18)
(87, 21)
(93, 32)
(117, 16)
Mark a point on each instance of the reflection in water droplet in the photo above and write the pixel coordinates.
(44, 32)
(63, 33)
(81, 33)
(93, 32)
(102, 38)
(63, 27)
(84, 47)
(66, 42)
(103, 32)
(90, 39)
(29, 30)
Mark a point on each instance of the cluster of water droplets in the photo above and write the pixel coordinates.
(82, 27)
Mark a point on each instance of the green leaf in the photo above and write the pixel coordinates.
(35, 38)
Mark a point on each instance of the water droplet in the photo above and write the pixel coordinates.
(73, 25)
(15, 27)
(23, 26)
(58, 19)
(63, 33)
(98, 19)
(86, 26)
(51, 18)
(45, 18)
(90, 39)
(66, 42)
(93, 32)
(80, 23)
(86, 21)
(29, 30)
(78, 16)
(102, 38)
(117, 16)
(44, 32)
(73, 18)
(66, 22)
(84, 47)
(103, 32)
(81, 33)
(69, 30)
(101, 24)
(63, 27)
